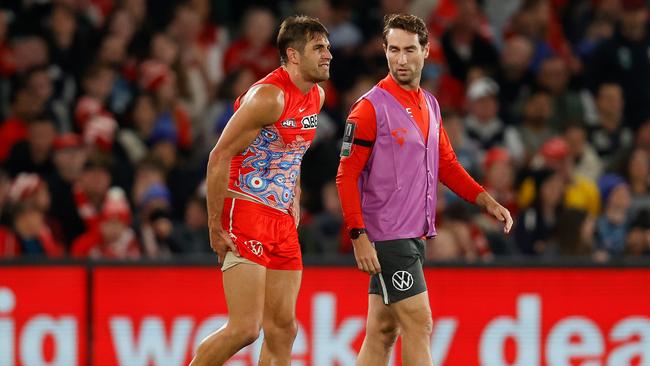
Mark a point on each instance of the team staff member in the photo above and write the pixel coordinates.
(253, 194)
(395, 150)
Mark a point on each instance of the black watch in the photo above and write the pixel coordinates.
(356, 232)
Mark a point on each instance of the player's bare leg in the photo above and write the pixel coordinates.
(243, 286)
(414, 317)
(279, 323)
(381, 332)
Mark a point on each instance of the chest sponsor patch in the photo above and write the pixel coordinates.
(309, 122)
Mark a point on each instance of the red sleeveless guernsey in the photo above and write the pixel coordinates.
(267, 170)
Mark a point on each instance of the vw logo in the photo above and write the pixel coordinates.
(402, 280)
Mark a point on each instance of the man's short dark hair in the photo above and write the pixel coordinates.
(296, 31)
(407, 22)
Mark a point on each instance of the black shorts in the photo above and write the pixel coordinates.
(401, 270)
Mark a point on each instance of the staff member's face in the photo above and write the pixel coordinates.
(405, 56)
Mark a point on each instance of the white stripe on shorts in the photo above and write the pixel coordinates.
(383, 288)
(232, 209)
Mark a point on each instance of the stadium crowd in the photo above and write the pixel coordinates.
(109, 109)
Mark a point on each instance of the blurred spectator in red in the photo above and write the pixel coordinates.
(535, 223)
(624, 58)
(212, 42)
(113, 237)
(90, 189)
(29, 234)
(482, 123)
(254, 48)
(611, 227)
(553, 76)
(499, 178)
(463, 45)
(24, 107)
(609, 134)
(34, 154)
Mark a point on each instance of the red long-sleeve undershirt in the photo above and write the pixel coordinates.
(450, 172)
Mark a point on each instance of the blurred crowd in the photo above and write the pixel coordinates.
(109, 109)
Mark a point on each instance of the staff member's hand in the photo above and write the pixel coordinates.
(366, 255)
(221, 243)
(495, 209)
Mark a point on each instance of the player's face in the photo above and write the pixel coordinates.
(405, 56)
(315, 59)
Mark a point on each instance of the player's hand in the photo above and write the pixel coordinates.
(221, 243)
(502, 214)
(366, 255)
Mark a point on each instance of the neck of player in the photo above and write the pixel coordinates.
(296, 77)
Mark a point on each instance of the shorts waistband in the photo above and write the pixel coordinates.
(259, 208)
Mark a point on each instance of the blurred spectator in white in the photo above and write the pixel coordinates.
(624, 58)
(34, 153)
(113, 237)
(483, 125)
(254, 48)
(463, 44)
(612, 224)
(514, 76)
(586, 160)
(609, 134)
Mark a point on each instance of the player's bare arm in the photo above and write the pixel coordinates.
(261, 106)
